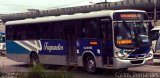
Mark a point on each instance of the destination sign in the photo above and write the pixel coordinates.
(129, 16)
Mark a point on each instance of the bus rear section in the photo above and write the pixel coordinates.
(102, 39)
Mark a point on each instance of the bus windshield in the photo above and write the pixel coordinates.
(129, 34)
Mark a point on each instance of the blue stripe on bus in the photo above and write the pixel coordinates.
(60, 47)
(84, 45)
(14, 48)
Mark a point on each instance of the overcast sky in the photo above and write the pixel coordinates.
(15, 6)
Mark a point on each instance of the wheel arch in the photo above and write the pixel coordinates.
(86, 54)
(32, 53)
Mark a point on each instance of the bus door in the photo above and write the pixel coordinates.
(107, 43)
(70, 37)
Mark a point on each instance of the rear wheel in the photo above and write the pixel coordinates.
(90, 64)
(34, 59)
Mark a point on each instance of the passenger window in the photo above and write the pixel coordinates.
(90, 29)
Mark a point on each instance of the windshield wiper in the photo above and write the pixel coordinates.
(128, 29)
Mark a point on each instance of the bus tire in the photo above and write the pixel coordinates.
(90, 64)
(34, 59)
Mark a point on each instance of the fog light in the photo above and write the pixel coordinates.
(120, 55)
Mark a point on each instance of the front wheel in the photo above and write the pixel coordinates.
(34, 59)
(90, 64)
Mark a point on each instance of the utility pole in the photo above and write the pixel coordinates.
(155, 11)
(105, 4)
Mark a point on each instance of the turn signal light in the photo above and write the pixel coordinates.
(93, 43)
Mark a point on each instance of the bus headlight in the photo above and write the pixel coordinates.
(148, 55)
(120, 55)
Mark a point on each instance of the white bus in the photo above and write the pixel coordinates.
(116, 39)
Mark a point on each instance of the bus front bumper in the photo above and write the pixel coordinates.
(119, 63)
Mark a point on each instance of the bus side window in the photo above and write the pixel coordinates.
(45, 29)
(90, 28)
(9, 35)
(108, 30)
(79, 29)
(57, 31)
(51, 30)
(20, 32)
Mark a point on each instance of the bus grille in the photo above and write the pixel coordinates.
(137, 62)
(135, 56)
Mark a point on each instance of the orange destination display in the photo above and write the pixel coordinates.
(129, 16)
(121, 42)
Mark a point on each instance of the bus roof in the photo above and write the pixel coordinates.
(69, 17)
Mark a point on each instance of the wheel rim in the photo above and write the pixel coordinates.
(91, 66)
(34, 59)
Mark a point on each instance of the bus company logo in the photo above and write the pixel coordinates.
(50, 48)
